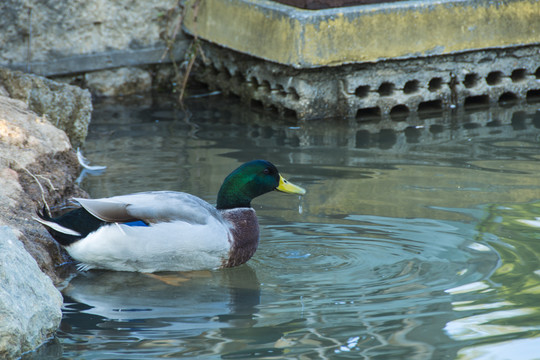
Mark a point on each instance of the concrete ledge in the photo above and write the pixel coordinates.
(368, 33)
(104, 60)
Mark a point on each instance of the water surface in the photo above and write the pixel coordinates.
(416, 239)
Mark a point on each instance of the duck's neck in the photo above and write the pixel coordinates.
(244, 235)
(232, 195)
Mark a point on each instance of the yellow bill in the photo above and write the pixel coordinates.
(289, 188)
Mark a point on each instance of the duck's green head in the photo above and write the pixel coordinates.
(250, 180)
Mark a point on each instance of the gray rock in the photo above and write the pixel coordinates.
(67, 107)
(122, 81)
(49, 30)
(72, 38)
(30, 305)
(37, 164)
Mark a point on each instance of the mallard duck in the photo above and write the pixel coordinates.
(167, 230)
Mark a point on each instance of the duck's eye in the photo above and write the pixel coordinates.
(266, 171)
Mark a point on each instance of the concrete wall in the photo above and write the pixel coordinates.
(367, 33)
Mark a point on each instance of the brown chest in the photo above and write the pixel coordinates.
(244, 235)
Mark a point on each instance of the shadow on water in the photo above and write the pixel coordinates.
(416, 239)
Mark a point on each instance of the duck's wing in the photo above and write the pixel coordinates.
(151, 207)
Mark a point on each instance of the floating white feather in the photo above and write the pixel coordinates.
(84, 163)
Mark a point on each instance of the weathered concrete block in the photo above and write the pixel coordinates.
(367, 33)
(368, 60)
(381, 88)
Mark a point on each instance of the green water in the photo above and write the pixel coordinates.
(415, 240)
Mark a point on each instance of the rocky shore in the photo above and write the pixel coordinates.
(37, 165)
(111, 48)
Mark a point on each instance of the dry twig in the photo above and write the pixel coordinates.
(40, 186)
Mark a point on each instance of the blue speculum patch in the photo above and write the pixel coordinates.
(136, 223)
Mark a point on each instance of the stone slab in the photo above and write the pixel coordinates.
(367, 33)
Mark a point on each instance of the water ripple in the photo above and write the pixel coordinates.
(382, 257)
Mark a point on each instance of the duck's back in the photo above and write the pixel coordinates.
(180, 232)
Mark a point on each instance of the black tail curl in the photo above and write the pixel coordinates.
(78, 220)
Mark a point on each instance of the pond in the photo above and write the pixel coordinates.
(416, 239)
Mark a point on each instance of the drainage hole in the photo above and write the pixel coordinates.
(362, 91)
(427, 106)
(256, 104)
(533, 95)
(537, 73)
(399, 112)
(386, 89)
(411, 87)
(518, 75)
(265, 86)
(471, 80)
(289, 113)
(280, 90)
(507, 98)
(478, 100)
(254, 81)
(494, 78)
(368, 113)
(293, 94)
(435, 84)
(227, 73)
(272, 108)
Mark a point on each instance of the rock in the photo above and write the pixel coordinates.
(37, 164)
(61, 29)
(29, 303)
(116, 82)
(70, 38)
(66, 106)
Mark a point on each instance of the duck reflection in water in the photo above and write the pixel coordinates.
(188, 302)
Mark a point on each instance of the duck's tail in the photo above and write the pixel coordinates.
(60, 232)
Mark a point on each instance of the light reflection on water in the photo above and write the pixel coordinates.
(413, 241)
